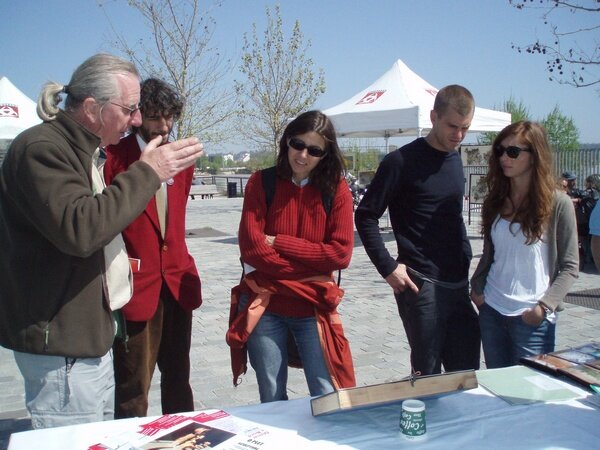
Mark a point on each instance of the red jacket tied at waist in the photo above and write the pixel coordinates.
(320, 291)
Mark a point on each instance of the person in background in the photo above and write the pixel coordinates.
(422, 185)
(584, 201)
(571, 180)
(530, 255)
(586, 205)
(158, 319)
(593, 182)
(595, 233)
(289, 250)
(563, 185)
(62, 257)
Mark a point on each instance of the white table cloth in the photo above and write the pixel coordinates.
(472, 419)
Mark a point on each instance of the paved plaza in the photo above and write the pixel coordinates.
(379, 346)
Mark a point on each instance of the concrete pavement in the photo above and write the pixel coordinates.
(379, 346)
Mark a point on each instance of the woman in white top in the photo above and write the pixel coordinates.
(530, 255)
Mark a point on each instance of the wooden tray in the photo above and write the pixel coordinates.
(378, 394)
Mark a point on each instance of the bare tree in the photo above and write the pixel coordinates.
(180, 52)
(573, 55)
(279, 81)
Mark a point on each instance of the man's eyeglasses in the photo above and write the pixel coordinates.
(512, 151)
(127, 108)
(313, 150)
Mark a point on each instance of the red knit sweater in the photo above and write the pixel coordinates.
(308, 242)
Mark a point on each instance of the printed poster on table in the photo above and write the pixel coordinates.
(193, 432)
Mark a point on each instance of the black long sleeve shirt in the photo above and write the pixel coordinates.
(423, 189)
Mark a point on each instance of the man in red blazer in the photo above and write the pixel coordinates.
(158, 318)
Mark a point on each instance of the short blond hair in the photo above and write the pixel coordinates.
(456, 97)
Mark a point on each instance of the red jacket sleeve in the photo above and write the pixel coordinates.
(115, 163)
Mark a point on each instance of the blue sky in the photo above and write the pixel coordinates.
(354, 41)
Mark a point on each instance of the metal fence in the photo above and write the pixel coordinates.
(583, 163)
(225, 183)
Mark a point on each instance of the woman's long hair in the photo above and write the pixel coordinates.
(326, 175)
(534, 211)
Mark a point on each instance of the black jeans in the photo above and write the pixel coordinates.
(442, 327)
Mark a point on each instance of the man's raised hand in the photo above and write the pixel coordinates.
(169, 159)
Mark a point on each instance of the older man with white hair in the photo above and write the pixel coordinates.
(60, 234)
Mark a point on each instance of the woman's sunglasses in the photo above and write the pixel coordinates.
(512, 151)
(313, 150)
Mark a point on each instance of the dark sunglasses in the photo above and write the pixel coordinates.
(313, 150)
(512, 151)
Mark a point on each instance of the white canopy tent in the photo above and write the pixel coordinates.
(398, 104)
(17, 111)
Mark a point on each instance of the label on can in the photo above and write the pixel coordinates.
(412, 419)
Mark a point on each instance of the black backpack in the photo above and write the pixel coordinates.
(269, 181)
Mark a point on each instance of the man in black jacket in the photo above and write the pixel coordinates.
(422, 185)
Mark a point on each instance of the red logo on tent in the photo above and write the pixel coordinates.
(370, 97)
(7, 110)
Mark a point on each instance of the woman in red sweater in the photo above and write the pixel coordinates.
(290, 250)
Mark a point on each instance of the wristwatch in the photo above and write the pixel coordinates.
(547, 311)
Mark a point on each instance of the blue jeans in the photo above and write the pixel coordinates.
(441, 326)
(268, 353)
(61, 392)
(507, 338)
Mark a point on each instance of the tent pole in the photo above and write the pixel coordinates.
(386, 136)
